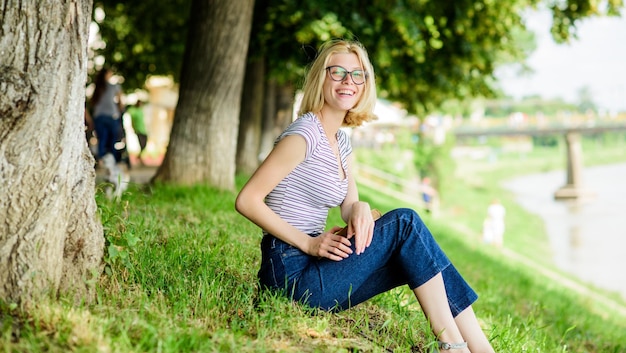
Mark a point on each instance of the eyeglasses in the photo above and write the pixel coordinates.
(338, 73)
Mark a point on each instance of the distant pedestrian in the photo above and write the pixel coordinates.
(139, 126)
(106, 105)
(493, 226)
(429, 195)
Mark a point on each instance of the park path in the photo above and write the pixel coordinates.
(142, 174)
(139, 174)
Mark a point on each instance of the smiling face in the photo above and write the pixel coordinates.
(342, 95)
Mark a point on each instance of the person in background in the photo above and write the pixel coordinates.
(139, 126)
(493, 226)
(309, 171)
(429, 195)
(106, 107)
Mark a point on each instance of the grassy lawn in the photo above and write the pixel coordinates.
(181, 277)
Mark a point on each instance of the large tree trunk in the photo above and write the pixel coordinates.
(203, 141)
(251, 117)
(50, 238)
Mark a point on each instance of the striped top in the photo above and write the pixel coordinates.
(305, 195)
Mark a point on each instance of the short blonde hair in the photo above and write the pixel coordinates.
(313, 96)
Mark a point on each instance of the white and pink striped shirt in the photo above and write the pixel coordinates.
(305, 195)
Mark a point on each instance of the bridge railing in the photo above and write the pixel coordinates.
(589, 127)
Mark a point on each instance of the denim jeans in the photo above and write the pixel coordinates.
(108, 131)
(403, 251)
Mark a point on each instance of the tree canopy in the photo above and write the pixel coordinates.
(143, 38)
(424, 52)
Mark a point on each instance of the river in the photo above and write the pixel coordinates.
(587, 237)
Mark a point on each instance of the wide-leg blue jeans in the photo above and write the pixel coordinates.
(403, 251)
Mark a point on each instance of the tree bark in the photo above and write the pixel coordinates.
(285, 97)
(251, 117)
(268, 132)
(203, 140)
(277, 114)
(51, 240)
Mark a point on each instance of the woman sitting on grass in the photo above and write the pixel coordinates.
(309, 171)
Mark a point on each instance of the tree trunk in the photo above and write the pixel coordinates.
(251, 117)
(277, 114)
(268, 133)
(50, 238)
(203, 141)
(285, 97)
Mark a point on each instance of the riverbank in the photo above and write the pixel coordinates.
(587, 235)
(527, 234)
(526, 244)
(480, 180)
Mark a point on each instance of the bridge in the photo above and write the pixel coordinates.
(573, 188)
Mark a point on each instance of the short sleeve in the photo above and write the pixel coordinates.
(307, 128)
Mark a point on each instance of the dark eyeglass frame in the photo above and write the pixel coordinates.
(346, 73)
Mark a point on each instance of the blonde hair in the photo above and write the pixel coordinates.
(313, 96)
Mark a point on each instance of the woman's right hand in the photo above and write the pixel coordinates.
(330, 245)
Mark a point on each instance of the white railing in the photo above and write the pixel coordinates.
(389, 184)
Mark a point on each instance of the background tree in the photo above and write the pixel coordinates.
(585, 101)
(251, 117)
(50, 238)
(424, 52)
(203, 140)
(143, 38)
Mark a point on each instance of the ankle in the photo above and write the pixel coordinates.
(457, 347)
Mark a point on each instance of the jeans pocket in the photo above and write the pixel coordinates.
(281, 263)
(267, 274)
(293, 261)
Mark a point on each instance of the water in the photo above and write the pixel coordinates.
(588, 237)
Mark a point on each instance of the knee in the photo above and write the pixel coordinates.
(406, 218)
(406, 214)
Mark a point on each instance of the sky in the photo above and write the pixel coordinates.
(597, 60)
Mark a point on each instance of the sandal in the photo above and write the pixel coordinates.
(445, 346)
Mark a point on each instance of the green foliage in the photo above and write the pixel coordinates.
(435, 161)
(120, 242)
(424, 52)
(546, 141)
(567, 13)
(143, 38)
(585, 101)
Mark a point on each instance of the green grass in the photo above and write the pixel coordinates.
(181, 277)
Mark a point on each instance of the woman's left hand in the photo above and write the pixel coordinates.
(361, 226)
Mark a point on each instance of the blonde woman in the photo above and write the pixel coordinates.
(308, 172)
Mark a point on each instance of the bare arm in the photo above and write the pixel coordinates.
(357, 214)
(285, 156)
